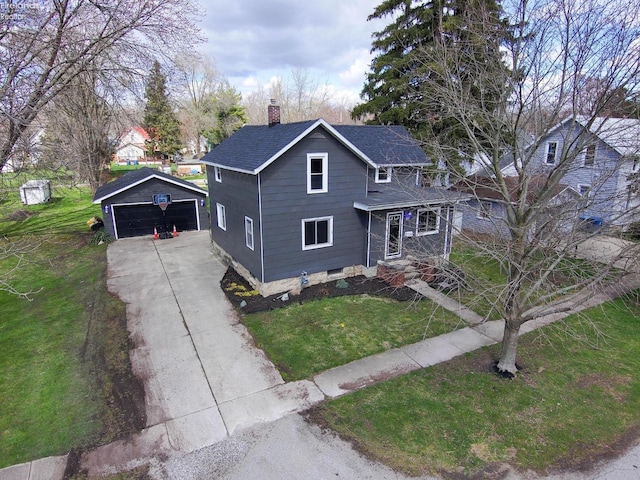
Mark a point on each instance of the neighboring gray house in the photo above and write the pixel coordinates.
(307, 202)
(486, 211)
(606, 154)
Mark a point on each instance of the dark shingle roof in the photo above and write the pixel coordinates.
(253, 147)
(135, 177)
(408, 197)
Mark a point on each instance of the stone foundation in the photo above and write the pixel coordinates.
(292, 285)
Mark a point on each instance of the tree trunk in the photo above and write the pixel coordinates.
(507, 361)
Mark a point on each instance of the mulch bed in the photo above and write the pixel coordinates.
(354, 286)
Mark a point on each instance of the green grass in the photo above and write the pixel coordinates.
(570, 402)
(303, 340)
(67, 212)
(60, 351)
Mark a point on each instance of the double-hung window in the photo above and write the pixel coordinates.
(590, 156)
(383, 174)
(221, 216)
(428, 221)
(217, 173)
(552, 150)
(248, 232)
(317, 232)
(317, 173)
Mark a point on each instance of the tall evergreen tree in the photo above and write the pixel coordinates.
(160, 120)
(229, 114)
(396, 90)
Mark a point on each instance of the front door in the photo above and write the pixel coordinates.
(393, 243)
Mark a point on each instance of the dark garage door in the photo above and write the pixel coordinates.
(139, 220)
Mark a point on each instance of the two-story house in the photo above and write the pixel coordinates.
(303, 203)
(132, 146)
(596, 160)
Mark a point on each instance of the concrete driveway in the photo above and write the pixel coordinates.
(620, 253)
(204, 378)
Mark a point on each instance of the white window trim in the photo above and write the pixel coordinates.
(546, 154)
(221, 216)
(389, 171)
(588, 187)
(330, 233)
(436, 211)
(217, 173)
(248, 233)
(595, 153)
(479, 214)
(325, 172)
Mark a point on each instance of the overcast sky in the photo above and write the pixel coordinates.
(255, 40)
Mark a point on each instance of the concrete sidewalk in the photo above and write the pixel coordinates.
(204, 378)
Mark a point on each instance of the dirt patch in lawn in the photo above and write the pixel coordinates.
(247, 300)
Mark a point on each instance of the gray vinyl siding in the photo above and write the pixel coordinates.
(238, 192)
(601, 175)
(143, 194)
(283, 186)
(494, 225)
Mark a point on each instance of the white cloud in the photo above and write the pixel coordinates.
(253, 40)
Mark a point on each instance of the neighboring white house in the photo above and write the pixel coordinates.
(26, 153)
(132, 147)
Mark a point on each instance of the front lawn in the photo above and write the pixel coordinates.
(303, 340)
(574, 400)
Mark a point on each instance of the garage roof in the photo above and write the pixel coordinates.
(136, 177)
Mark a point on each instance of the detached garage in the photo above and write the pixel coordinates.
(144, 199)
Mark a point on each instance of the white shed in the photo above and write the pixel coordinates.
(35, 191)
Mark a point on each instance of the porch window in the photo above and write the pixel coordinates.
(221, 216)
(383, 174)
(248, 232)
(428, 221)
(317, 232)
(317, 172)
(552, 148)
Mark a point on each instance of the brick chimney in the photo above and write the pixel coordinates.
(273, 112)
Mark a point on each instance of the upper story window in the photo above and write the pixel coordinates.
(383, 174)
(428, 221)
(317, 172)
(217, 173)
(552, 149)
(590, 156)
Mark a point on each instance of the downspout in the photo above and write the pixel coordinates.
(447, 247)
(261, 233)
(369, 242)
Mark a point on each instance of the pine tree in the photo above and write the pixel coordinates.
(229, 114)
(397, 90)
(160, 121)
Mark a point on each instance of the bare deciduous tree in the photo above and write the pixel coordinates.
(300, 97)
(555, 45)
(45, 47)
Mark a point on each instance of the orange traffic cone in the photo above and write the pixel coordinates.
(155, 233)
(175, 232)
